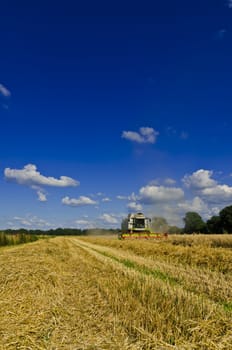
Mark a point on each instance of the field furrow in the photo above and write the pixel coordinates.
(50, 299)
(74, 294)
(212, 285)
(164, 308)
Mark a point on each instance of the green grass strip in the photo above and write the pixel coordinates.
(227, 306)
(141, 268)
(156, 274)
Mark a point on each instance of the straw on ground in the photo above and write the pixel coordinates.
(95, 293)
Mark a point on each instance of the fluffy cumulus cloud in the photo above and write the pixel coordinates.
(174, 212)
(30, 176)
(109, 219)
(204, 195)
(133, 206)
(198, 205)
(202, 183)
(4, 91)
(145, 135)
(219, 193)
(155, 194)
(75, 202)
(199, 179)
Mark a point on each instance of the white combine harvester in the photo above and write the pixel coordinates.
(136, 226)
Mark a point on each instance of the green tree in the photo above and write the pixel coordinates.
(226, 219)
(194, 223)
(214, 225)
(175, 230)
(159, 224)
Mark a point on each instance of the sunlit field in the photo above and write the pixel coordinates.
(103, 293)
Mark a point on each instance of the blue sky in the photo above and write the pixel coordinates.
(111, 109)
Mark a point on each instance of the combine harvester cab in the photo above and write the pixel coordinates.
(138, 226)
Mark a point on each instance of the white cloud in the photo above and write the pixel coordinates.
(124, 197)
(134, 206)
(30, 176)
(156, 194)
(32, 222)
(81, 201)
(106, 199)
(4, 91)
(131, 197)
(132, 136)
(197, 205)
(145, 135)
(209, 189)
(199, 179)
(230, 4)
(169, 181)
(109, 218)
(82, 222)
(22, 221)
(42, 196)
(208, 197)
(217, 194)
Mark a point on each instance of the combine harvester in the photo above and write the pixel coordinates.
(138, 226)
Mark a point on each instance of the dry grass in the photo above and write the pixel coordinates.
(196, 250)
(204, 282)
(97, 293)
(164, 312)
(48, 301)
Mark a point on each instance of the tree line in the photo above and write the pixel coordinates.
(221, 223)
(62, 232)
(193, 223)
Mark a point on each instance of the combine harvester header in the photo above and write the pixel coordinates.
(138, 226)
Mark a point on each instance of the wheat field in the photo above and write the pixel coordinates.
(101, 293)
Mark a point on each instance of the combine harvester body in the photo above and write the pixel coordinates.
(138, 226)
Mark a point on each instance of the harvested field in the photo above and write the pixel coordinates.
(100, 293)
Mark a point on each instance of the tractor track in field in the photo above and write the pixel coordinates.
(50, 300)
(194, 281)
(132, 286)
(68, 293)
